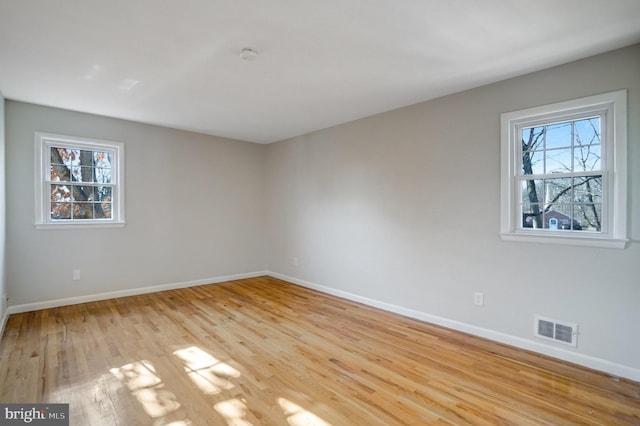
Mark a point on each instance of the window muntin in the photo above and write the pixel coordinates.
(564, 172)
(78, 181)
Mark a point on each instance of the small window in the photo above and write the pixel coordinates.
(78, 182)
(564, 172)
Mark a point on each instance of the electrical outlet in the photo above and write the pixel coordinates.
(478, 298)
(76, 274)
(294, 261)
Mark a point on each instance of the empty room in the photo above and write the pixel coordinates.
(218, 212)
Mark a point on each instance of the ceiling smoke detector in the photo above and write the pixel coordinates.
(248, 54)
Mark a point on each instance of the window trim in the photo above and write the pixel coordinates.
(614, 107)
(42, 143)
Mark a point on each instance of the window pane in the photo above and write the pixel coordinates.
(76, 174)
(532, 138)
(558, 161)
(587, 189)
(102, 210)
(66, 156)
(55, 157)
(103, 175)
(60, 193)
(590, 216)
(86, 158)
(60, 210)
(71, 156)
(587, 158)
(558, 136)
(103, 193)
(587, 131)
(83, 193)
(531, 215)
(87, 174)
(59, 173)
(558, 217)
(83, 210)
(102, 159)
(558, 190)
(532, 162)
(531, 191)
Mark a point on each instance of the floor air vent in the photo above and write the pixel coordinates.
(558, 331)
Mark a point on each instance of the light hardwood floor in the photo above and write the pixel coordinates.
(265, 352)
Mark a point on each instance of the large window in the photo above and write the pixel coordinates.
(564, 172)
(78, 182)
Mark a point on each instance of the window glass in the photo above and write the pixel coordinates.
(557, 152)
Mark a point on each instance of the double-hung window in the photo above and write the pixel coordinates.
(79, 182)
(564, 172)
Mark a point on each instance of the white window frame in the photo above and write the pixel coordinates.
(612, 107)
(43, 143)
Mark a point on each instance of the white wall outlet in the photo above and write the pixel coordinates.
(294, 261)
(76, 274)
(478, 298)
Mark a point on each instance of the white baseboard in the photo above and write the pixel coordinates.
(5, 314)
(5, 318)
(128, 292)
(599, 364)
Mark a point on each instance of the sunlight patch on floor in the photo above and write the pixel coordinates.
(298, 416)
(234, 411)
(210, 375)
(143, 382)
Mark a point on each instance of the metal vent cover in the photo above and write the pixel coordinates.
(558, 331)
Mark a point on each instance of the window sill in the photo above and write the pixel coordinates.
(570, 240)
(92, 225)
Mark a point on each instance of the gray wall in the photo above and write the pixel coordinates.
(399, 209)
(194, 210)
(404, 208)
(3, 225)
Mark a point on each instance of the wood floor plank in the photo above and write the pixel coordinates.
(262, 351)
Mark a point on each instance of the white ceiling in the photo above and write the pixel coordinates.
(321, 62)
